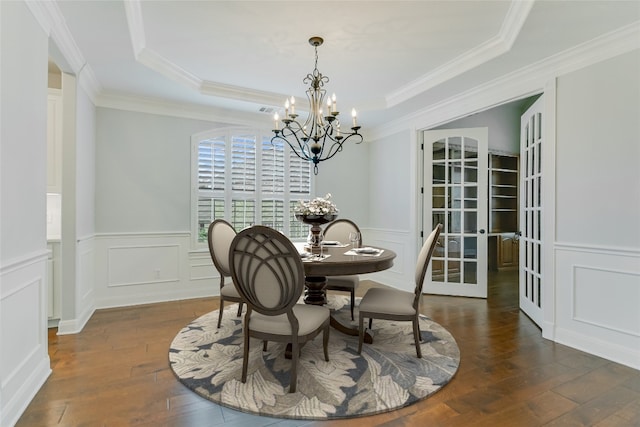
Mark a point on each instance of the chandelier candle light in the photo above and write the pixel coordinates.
(320, 137)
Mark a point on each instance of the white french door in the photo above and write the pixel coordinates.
(455, 195)
(531, 212)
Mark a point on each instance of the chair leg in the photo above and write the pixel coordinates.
(416, 336)
(221, 310)
(239, 309)
(245, 356)
(325, 343)
(360, 332)
(353, 299)
(371, 323)
(293, 378)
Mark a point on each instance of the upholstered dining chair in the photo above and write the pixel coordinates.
(268, 272)
(394, 304)
(339, 230)
(219, 236)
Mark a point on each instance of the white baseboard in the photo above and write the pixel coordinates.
(180, 294)
(74, 326)
(606, 350)
(12, 409)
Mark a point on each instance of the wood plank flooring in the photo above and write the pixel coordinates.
(116, 373)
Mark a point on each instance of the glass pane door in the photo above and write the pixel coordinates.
(455, 187)
(531, 213)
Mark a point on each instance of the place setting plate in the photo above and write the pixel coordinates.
(367, 251)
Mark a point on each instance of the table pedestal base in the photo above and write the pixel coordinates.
(315, 293)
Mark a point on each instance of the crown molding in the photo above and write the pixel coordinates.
(133, 11)
(52, 22)
(157, 62)
(492, 48)
(514, 20)
(518, 84)
(241, 93)
(176, 109)
(89, 82)
(153, 60)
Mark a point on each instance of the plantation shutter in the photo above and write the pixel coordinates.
(272, 179)
(299, 189)
(273, 214)
(243, 213)
(211, 164)
(272, 171)
(211, 183)
(243, 164)
(241, 176)
(299, 175)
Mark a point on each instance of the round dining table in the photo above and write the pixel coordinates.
(317, 267)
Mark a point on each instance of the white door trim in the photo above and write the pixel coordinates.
(549, 206)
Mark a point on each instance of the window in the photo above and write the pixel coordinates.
(243, 178)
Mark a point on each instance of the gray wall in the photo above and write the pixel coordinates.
(86, 164)
(503, 122)
(598, 154)
(24, 361)
(143, 173)
(345, 176)
(24, 126)
(143, 167)
(390, 182)
(595, 296)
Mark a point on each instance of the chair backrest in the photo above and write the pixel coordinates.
(423, 260)
(219, 236)
(266, 269)
(339, 230)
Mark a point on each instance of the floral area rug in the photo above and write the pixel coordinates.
(386, 376)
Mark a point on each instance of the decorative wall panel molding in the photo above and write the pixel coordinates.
(143, 268)
(23, 327)
(144, 264)
(619, 311)
(596, 300)
(404, 245)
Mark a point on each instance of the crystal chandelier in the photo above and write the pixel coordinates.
(320, 137)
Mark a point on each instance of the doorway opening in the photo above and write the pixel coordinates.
(54, 194)
(503, 199)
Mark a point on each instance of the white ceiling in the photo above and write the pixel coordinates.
(382, 57)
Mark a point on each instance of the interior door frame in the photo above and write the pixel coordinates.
(548, 89)
(549, 208)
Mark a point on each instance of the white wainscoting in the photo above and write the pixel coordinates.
(23, 326)
(404, 244)
(84, 303)
(597, 301)
(201, 268)
(141, 268)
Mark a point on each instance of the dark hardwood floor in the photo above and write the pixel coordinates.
(116, 373)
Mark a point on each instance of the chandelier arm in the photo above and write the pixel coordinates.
(303, 152)
(337, 145)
